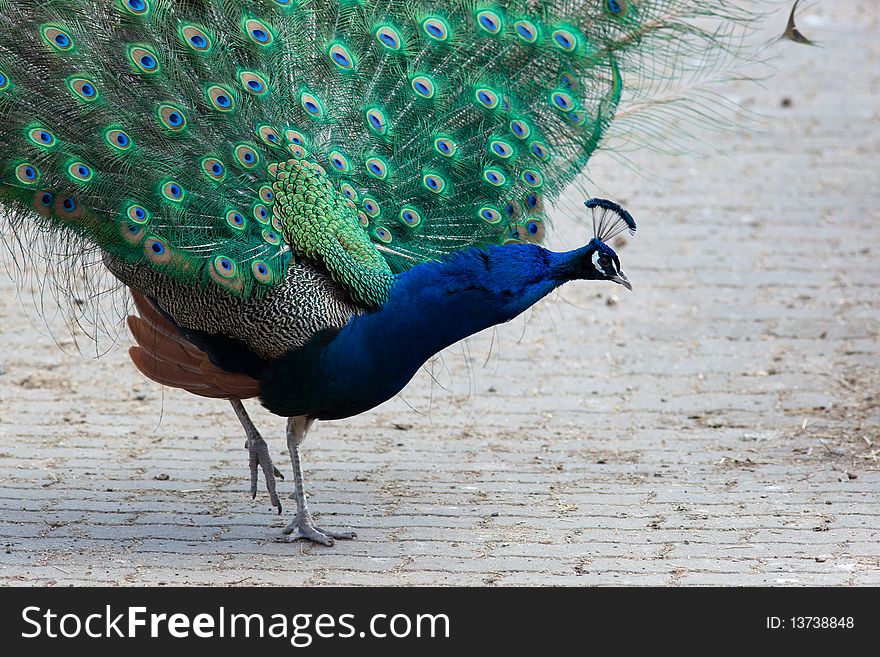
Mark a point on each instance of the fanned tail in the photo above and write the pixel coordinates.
(149, 127)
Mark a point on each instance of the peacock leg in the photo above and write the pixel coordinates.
(258, 451)
(303, 526)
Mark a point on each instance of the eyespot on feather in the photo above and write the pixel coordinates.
(196, 38)
(434, 182)
(136, 7)
(500, 148)
(117, 139)
(363, 220)
(618, 8)
(389, 38)
(532, 178)
(410, 216)
(224, 266)
(526, 31)
(371, 207)
(172, 191)
(516, 235)
(41, 137)
(486, 97)
(80, 172)
(348, 191)
(562, 101)
(338, 161)
(341, 57)
(221, 99)
(5, 81)
(42, 202)
(489, 22)
(224, 271)
(494, 176)
(68, 207)
(539, 150)
(235, 220)
(423, 86)
(137, 214)
(566, 39)
(383, 234)
(377, 121)
(520, 129)
(253, 83)
(269, 135)
(568, 81)
(267, 195)
(261, 213)
(310, 103)
(258, 32)
(271, 237)
(57, 37)
(83, 88)
(376, 167)
(512, 210)
(27, 174)
(489, 214)
(246, 156)
(172, 117)
(534, 202)
(261, 272)
(445, 146)
(132, 233)
(577, 118)
(296, 137)
(143, 60)
(213, 168)
(436, 28)
(534, 230)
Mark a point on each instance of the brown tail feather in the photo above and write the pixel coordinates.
(164, 347)
(160, 326)
(165, 355)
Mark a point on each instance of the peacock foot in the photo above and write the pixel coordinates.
(303, 528)
(259, 458)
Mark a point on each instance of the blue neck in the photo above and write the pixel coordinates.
(430, 307)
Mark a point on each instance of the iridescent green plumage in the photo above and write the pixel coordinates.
(155, 129)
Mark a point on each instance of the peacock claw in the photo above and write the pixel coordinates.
(258, 455)
(303, 528)
(258, 452)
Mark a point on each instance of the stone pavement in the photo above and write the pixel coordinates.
(717, 426)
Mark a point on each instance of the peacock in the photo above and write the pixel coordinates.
(308, 199)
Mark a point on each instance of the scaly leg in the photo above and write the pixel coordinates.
(303, 526)
(259, 455)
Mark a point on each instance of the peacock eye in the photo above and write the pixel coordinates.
(604, 261)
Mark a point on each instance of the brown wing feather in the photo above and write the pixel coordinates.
(165, 355)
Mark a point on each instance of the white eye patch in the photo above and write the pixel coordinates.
(595, 258)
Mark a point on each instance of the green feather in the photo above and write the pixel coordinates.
(157, 129)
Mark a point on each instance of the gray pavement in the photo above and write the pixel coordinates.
(718, 426)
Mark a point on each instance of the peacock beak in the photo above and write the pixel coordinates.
(623, 280)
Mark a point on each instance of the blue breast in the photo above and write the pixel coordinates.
(430, 307)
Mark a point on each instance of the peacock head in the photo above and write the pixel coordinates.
(603, 264)
(609, 220)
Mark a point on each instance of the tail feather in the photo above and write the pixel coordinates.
(164, 355)
(147, 126)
